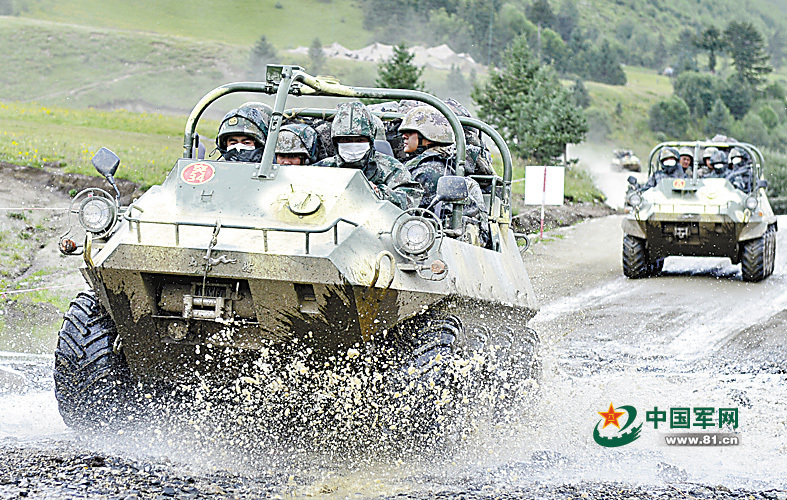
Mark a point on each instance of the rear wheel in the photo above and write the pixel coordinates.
(635, 258)
(92, 380)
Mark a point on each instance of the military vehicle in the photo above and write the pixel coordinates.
(696, 213)
(625, 159)
(233, 258)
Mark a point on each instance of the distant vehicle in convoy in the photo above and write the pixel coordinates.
(715, 211)
(304, 260)
(625, 159)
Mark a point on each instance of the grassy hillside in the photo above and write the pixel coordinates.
(286, 23)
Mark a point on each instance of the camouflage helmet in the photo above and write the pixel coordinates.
(379, 128)
(472, 134)
(708, 153)
(353, 120)
(242, 121)
(298, 139)
(428, 122)
(457, 107)
(718, 160)
(668, 154)
(738, 156)
(263, 108)
(687, 151)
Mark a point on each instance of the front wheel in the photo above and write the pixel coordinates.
(635, 258)
(92, 378)
(758, 256)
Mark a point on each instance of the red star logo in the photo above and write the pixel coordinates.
(611, 416)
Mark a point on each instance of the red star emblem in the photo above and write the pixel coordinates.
(611, 416)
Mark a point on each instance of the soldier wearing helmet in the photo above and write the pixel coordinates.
(706, 170)
(479, 161)
(297, 145)
(718, 163)
(352, 133)
(687, 160)
(740, 170)
(242, 135)
(427, 140)
(670, 167)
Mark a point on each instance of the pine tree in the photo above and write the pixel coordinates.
(714, 42)
(262, 53)
(398, 72)
(317, 57)
(719, 119)
(580, 94)
(527, 104)
(747, 49)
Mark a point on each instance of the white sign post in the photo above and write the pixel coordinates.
(544, 186)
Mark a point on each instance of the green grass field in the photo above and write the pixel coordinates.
(147, 144)
(285, 23)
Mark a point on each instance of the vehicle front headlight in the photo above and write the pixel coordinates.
(635, 200)
(751, 202)
(415, 235)
(97, 214)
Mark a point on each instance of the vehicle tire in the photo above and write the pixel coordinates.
(635, 258)
(754, 258)
(91, 379)
(514, 371)
(428, 387)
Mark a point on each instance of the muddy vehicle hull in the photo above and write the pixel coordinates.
(148, 275)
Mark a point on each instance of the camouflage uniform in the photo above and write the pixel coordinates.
(392, 181)
(478, 160)
(670, 168)
(429, 163)
(741, 172)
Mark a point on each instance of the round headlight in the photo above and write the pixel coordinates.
(415, 236)
(97, 214)
(635, 200)
(751, 202)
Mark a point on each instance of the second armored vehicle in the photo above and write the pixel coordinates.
(718, 210)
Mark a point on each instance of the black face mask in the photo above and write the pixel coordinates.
(245, 155)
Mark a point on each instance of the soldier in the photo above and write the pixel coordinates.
(706, 170)
(740, 173)
(352, 134)
(478, 161)
(668, 158)
(427, 140)
(719, 165)
(297, 145)
(242, 135)
(687, 160)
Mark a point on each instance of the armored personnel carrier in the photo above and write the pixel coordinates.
(625, 159)
(699, 211)
(241, 259)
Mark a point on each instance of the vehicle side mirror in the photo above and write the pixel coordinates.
(762, 183)
(632, 180)
(450, 188)
(107, 162)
